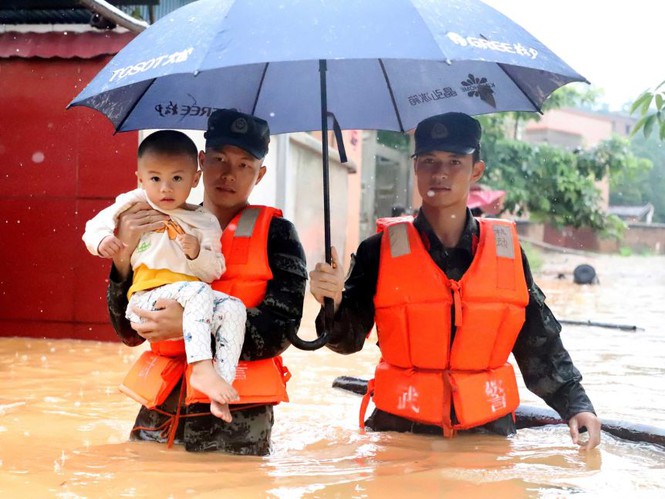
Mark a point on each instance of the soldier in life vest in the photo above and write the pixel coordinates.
(265, 268)
(452, 296)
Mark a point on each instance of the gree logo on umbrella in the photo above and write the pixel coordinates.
(479, 87)
(155, 62)
(483, 43)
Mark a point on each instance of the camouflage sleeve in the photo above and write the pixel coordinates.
(282, 306)
(354, 318)
(546, 366)
(116, 300)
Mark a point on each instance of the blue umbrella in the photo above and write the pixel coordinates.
(370, 65)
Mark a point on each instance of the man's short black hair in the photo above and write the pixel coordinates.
(169, 142)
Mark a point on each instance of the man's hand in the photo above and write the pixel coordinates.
(110, 247)
(132, 224)
(327, 281)
(592, 424)
(163, 323)
(190, 245)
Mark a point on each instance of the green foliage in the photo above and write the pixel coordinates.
(615, 157)
(651, 108)
(395, 140)
(552, 184)
(641, 186)
(625, 251)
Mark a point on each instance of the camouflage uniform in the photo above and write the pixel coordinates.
(546, 366)
(265, 337)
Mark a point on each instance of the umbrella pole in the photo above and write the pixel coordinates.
(329, 307)
(325, 159)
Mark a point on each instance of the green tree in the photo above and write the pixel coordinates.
(551, 184)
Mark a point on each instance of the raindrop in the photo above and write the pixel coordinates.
(38, 157)
(430, 193)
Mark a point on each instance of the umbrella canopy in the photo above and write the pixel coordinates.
(374, 65)
(389, 64)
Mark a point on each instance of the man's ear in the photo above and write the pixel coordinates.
(477, 171)
(262, 172)
(202, 159)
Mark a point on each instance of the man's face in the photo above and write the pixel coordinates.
(229, 176)
(167, 178)
(444, 178)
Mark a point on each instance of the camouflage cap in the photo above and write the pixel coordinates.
(452, 132)
(231, 127)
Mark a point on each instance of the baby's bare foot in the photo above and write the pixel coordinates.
(222, 411)
(205, 379)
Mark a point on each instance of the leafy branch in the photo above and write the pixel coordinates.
(651, 107)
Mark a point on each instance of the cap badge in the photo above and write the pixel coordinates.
(239, 125)
(439, 131)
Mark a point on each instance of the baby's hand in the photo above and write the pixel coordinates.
(190, 245)
(110, 247)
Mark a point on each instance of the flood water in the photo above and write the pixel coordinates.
(64, 425)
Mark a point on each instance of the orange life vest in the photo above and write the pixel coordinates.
(158, 371)
(422, 373)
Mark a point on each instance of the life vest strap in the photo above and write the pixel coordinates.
(447, 424)
(457, 301)
(365, 403)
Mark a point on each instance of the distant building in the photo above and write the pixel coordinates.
(572, 128)
(633, 213)
(575, 129)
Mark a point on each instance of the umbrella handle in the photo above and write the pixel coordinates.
(322, 340)
(329, 307)
(301, 344)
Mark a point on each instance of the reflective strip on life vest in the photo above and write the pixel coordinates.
(399, 240)
(247, 222)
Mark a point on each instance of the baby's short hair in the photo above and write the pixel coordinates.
(169, 142)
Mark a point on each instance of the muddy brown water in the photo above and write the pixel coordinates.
(64, 425)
